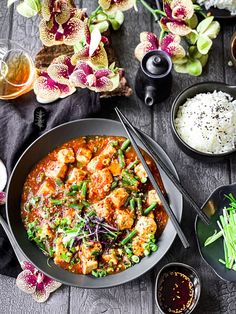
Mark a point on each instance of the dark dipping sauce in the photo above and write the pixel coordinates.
(175, 292)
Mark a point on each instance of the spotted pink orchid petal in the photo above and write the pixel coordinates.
(50, 284)
(167, 8)
(177, 13)
(26, 281)
(171, 45)
(149, 42)
(85, 68)
(72, 31)
(182, 9)
(103, 84)
(47, 90)
(32, 281)
(178, 28)
(28, 266)
(105, 40)
(65, 60)
(60, 69)
(150, 37)
(115, 5)
(85, 76)
(59, 9)
(68, 32)
(103, 72)
(41, 294)
(2, 198)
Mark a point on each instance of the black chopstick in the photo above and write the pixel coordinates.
(170, 175)
(154, 184)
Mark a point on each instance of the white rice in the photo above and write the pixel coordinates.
(207, 122)
(220, 4)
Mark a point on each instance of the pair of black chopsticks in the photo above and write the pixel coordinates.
(127, 125)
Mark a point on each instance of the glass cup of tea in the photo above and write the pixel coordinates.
(17, 70)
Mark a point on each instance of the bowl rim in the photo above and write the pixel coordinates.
(169, 265)
(196, 233)
(232, 44)
(84, 286)
(175, 105)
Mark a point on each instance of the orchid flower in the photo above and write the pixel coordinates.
(61, 23)
(60, 69)
(2, 198)
(178, 12)
(33, 282)
(101, 80)
(148, 42)
(48, 90)
(114, 5)
(170, 44)
(91, 48)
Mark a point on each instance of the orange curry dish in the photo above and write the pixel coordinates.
(90, 206)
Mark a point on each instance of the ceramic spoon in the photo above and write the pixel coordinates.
(3, 181)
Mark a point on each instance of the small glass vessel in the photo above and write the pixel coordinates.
(17, 70)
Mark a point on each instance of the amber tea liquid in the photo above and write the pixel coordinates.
(16, 74)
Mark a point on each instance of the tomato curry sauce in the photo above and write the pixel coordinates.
(90, 206)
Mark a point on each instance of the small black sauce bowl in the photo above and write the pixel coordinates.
(190, 92)
(189, 272)
(233, 48)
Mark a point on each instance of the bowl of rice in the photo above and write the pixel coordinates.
(203, 120)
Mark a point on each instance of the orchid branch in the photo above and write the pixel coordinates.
(154, 12)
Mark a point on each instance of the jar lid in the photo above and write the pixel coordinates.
(157, 64)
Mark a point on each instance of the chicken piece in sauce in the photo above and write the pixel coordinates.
(153, 198)
(46, 188)
(146, 226)
(100, 184)
(84, 155)
(66, 155)
(56, 170)
(75, 176)
(124, 219)
(140, 172)
(118, 197)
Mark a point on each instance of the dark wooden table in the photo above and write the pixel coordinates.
(199, 178)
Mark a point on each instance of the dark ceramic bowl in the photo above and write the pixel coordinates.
(189, 272)
(211, 254)
(39, 149)
(190, 92)
(233, 48)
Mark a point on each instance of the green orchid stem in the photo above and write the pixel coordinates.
(159, 12)
(154, 12)
(162, 33)
(94, 13)
(203, 14)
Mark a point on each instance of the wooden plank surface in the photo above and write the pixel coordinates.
(199, 177)
(121, 299)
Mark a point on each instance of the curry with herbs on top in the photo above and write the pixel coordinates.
(90, 206)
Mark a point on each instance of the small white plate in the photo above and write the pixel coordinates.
(3, 176)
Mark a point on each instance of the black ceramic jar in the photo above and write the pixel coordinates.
(153, 80)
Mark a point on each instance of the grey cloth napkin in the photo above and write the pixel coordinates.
(17, 131)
